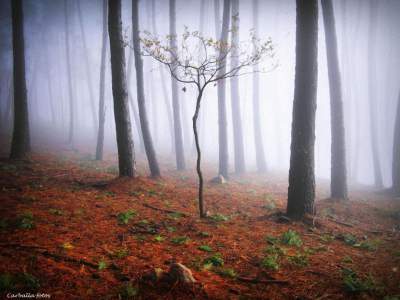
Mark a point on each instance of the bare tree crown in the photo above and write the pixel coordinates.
(199, 60)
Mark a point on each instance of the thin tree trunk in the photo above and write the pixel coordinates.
(148, 143)
(132, 102)
(396, 152)
(69, 76)
(301, 192)
(378, 181)
(198, 162)
(338, 145)
(87, 69)
(201, 31)
(235, 96)
(20, 144)
(258, 140)
(222, 122)
(179, 152)
(102, 111)
(126, 159)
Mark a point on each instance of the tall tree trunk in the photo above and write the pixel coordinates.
(235, 96)
(372, 82)
(301, 192)
(396, 152)
(69, 76)
(126, 159)
(87, 69)
(180, 154)
(132, 102)
(222, 122)
(102, 111)
(338, 145)
(20, 144)
(148, 143)
(258, 140)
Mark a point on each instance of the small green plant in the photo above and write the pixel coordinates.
(271, 262)
(300, 260)
(291, 238)
(121, 253)
(28, 281)
(144, 222)
(152, 193)
(25, 220)
(228, 273)
(349, 239)
(347, 260)
(180, 240)
(275, 250)
(354, 284)
(128, 291)
(56, 212)
(102, 265)
(135, 193)
(219, 218)
(171, 228)
(327, 238)
(109, 193)
(6, 282)
(213, 261)
(175, 215)
(204, 234)
(125, 217)
(205, 248)
(370, 245)
(159, 238)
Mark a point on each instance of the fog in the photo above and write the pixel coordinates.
(46, 75)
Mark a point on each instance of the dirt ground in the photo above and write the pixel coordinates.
(71, 229)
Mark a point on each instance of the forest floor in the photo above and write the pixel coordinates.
(70, 229)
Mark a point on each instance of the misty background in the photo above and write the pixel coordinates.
(48, 95)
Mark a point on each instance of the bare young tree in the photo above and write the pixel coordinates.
(201, 62)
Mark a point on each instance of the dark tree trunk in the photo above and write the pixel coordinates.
(235, 97)
(69, 76)
(338, 145)
(301, 192)
(20, 144)
(222, 123)
(148, 143)
(396, 152)
(126, 159)
(202, 210)
(180, 155)
(102, 112)
(372, 82)
(87, 69)
(259, 147)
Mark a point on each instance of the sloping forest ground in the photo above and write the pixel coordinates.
(70, 229)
